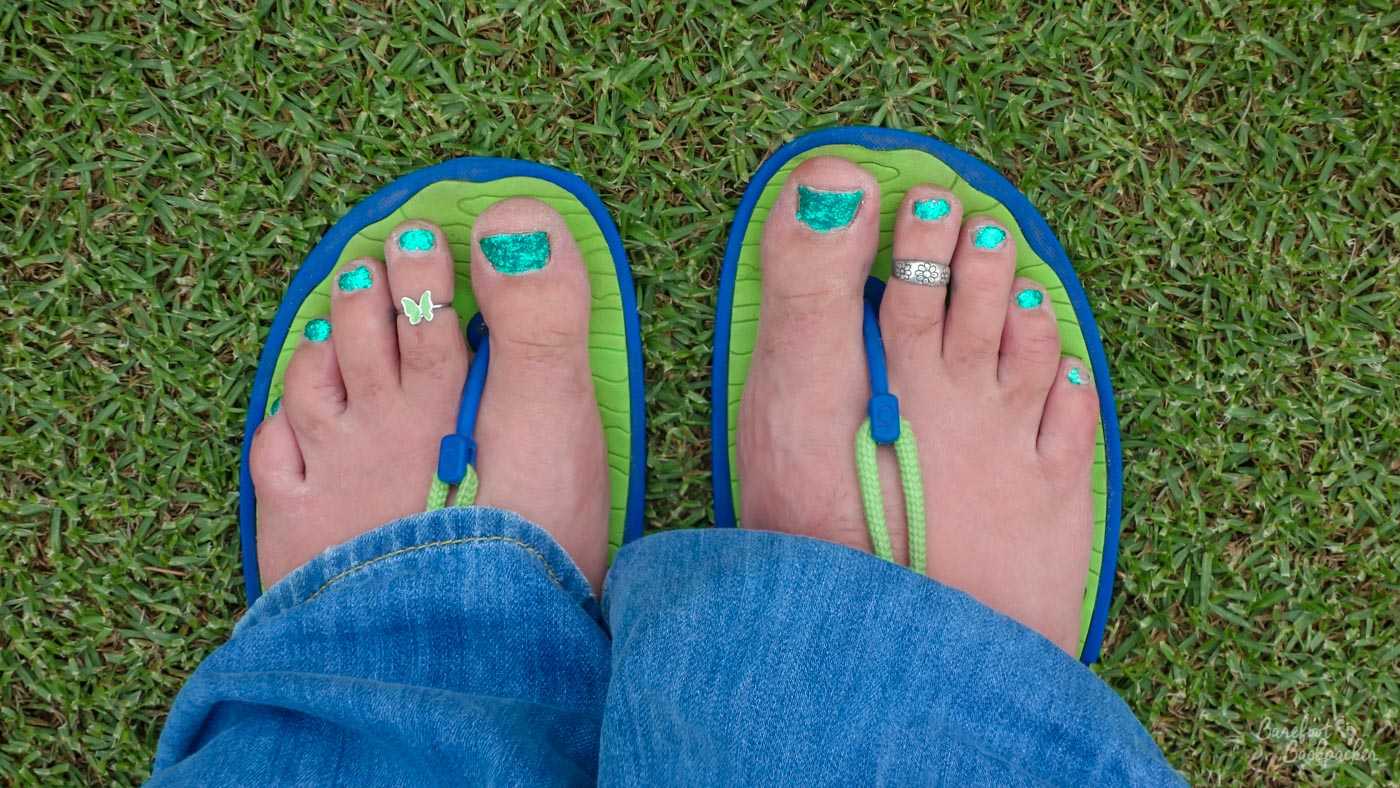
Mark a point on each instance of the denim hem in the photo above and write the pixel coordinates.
(736, 556)
(411, 538)
(460, 641)
(730, 645)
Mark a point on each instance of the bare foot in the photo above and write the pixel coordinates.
(368, 397)
(1005, 426)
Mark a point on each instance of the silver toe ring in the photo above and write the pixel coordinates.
(922, 272)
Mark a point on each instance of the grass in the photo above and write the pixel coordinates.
(1223, 173)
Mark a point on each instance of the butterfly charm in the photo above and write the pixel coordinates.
(423, 310)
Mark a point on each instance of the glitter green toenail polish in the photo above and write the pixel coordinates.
(357, 279)
(417, 240)
(318, 330)
(931, 210)
(988, 237)
(1074, 376)
(276, 406)
(825, 211)
(516, 253)
(1029, 299)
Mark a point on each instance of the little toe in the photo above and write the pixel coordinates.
(982, 270)
(365, 344)
(432, 352)
(1067, 426)
(925, 235)
(1030, 343)
(274, 459)
(821, 234)
(313, 392)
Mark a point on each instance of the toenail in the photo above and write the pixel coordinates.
(825, 211)
(988, 237)
(931, 210)
(1075, 377)
(417, 240)
(276, 406)
(355, 279)
(516, 253)
(318, 330)
(1029, 298)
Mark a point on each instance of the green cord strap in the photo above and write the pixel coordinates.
(911, 478)
(868, 472)
(437, 494)
(466, 491)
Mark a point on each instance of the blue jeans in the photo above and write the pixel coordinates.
(463, 646)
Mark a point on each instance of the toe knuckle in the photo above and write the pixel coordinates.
(316, 422)
(976, 350)
(373, 387)
(1071, 459)
(905, 324)
(262, 466)
(425, 359)
(1042, 343)
(540, 354)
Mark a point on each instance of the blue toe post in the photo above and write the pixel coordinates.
(884, 406)
(457, 452)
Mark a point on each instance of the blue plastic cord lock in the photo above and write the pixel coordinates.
(884, 419)
(457, 451)
(884, 406)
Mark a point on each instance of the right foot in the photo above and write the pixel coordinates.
(355, 442)
(1005, 426)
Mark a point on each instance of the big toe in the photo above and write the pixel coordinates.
(821, 234)
(529, 276)
(540, 437)
(806, 391)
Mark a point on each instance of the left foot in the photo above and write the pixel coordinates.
(368, 396)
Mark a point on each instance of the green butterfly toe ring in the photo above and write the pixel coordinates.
(421, 310)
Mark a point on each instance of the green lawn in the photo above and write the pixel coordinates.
(1222, 173)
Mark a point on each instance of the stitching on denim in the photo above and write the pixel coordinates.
(554, 578)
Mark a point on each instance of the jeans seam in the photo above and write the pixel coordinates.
(344, 573)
